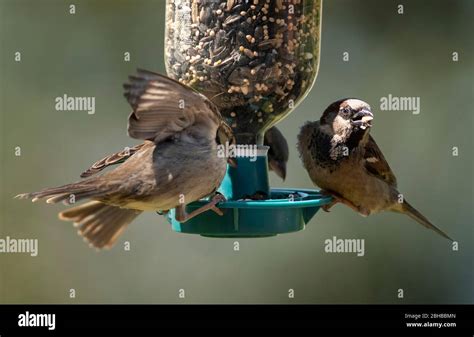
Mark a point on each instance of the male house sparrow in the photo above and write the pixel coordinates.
(177, 164)
(344, 160)
(278, 152)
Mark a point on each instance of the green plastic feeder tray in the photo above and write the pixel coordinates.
(283, 211)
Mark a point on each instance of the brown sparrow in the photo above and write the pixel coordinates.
(344, 160)
(177, 164)
(278, 152)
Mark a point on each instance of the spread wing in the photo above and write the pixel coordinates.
(376, 164)
(115, 158)
(163, 107)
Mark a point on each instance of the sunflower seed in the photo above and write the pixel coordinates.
(232, 19)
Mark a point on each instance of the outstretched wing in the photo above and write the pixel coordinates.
(113, 159)
(376, 164)
(163, 107)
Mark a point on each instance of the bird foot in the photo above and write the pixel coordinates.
(217, 198)
(337, 199)
(334, 200)
(328, 207)
(182, 216)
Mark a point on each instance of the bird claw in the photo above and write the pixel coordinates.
(217, 210)
(336, 199)
(182, 216)
(327, 207)
(217, 198)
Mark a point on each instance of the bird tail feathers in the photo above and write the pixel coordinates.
(420, 218)
(99, 224)
(68, 194)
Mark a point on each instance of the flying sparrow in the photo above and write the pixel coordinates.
(177, 164)
(278, 152)
(343, 159)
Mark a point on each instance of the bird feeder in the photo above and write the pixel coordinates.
(256, 61)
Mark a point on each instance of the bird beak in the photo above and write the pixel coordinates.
(363, 119)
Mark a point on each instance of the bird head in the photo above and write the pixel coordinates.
(348, 116)
(278, 152)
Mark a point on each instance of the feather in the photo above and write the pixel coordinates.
(163, 107)
(98, 223)
(113, 159)
(409, 210)
(376, 164)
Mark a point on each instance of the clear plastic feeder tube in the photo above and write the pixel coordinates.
(255, 59)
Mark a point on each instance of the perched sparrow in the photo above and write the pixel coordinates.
(177, 164)
(278, 152)
(344, 160)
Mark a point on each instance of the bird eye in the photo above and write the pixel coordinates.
(346, 111)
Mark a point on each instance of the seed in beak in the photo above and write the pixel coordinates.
(364, 113)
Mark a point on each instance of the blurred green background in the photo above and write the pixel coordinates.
(82, 55)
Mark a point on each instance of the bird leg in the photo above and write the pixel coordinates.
(182, 216)
(338, 199)
(328, 207)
